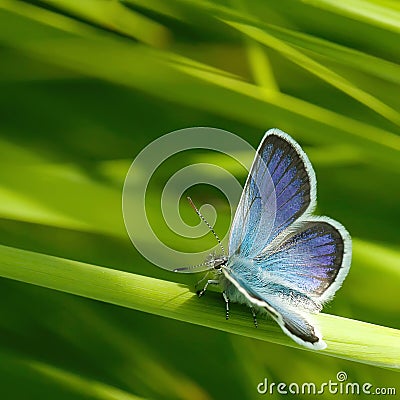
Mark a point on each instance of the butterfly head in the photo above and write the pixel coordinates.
(216, 262)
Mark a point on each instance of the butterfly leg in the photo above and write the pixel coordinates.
(254, 314)
(209, 282)
(226, 304)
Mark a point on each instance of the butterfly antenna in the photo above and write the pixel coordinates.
(191, 267)
(209, 226)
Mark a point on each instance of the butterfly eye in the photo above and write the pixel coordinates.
(219, 262)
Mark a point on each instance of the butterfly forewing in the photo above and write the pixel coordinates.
(254, 217)
(279, 189)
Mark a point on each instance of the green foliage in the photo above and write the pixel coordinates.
(84, 86)
(346, 338)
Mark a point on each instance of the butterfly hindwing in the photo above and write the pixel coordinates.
(300, 327)
(313, 258)
(294, 320)
(279, 189)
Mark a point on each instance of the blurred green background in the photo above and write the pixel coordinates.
(85, 86)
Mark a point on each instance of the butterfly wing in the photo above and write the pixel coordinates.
(302, 260)
(313, 258)
(300, 327)
(279, 189)
(296, 323)
(295, 275)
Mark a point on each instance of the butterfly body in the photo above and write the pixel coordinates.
(282, 259)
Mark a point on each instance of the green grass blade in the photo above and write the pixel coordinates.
(346, 338)
(259, 63)
(348, 57)
(113, 16)
(154, 71)
(79, 386)
(318, 70)
(371, 12)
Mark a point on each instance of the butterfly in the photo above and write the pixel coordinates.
(281, 260)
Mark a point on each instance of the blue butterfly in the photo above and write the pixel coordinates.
(282, 260)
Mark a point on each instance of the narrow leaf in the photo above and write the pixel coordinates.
(349, 339)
